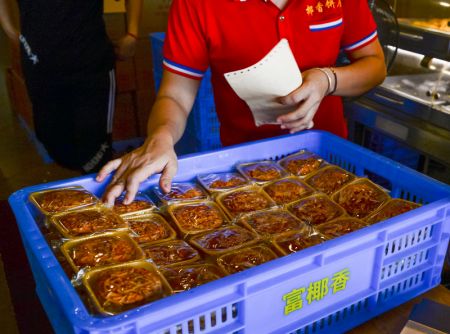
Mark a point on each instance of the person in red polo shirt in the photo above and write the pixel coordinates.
(229, 35)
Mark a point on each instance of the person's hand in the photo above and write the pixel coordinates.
(307, 98)
(125, 47)
(135, 167)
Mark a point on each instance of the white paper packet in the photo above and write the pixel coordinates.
(261, 84)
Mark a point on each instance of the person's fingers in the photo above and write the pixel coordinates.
(304, 113)
(294, 97)
(134, 179)
(131, 190)
(303, 124)
(127, 164)
(120, 181)
(108, 169)
(297, 126)
(165, 182)
(300, 97)
(301, 128)
(300, 113)
(293, 116)
(113, 191)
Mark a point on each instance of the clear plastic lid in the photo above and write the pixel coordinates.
(219, 182)
(93, 219)
(186, 277)
(119, 288)
(181, 191)
(360, 198)
(142, 204)
(330, 179)
(150, 228)
(287, 190)
(101, 250)
(294, 241)
(171, 252)
(316, 209)
(244, 200)
(58, 200)
(224, 240)
(268, 223)
(302, 163)
(391, 208)
(192, 218)
(261, 171)
(245, 258)
(340, 226)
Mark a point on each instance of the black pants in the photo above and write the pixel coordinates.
(73, 118)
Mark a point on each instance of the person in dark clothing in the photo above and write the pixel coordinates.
(68, 65)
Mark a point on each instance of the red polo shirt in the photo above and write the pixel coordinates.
(228, 35)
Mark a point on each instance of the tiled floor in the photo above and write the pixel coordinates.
(20, 166)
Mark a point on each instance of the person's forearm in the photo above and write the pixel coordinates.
(360, 76)
(365, 72)
(134, 9)
(167, 120)
(171, 109)
(6, 19)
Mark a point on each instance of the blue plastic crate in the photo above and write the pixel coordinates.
(380, 266)
(203, 125)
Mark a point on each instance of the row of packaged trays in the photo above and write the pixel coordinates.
(360, 198)
(180, 265)
(268, 219)
(302, 164)
(331, 221)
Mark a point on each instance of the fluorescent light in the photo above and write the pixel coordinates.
(444, 4)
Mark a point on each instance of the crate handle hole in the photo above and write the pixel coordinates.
(202, 322)
(213, 318)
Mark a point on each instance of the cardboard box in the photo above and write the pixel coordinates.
(154, 16)
(125, 76)
(144, 101)
(114, 6)
(143, 65)
(125, 120)
(153, 19)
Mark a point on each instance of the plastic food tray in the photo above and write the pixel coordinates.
(322, 289)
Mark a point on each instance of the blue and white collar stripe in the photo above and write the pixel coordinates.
(360, 42)
(183, 69)
(325, 26)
